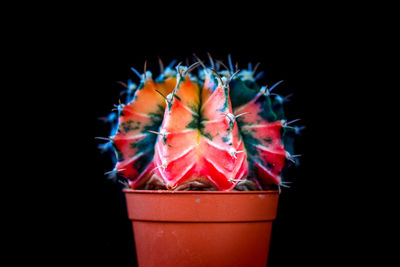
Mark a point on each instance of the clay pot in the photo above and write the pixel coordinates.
(202, 228)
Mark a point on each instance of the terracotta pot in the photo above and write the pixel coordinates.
(200, 228)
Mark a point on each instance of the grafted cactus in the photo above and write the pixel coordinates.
(218, 130)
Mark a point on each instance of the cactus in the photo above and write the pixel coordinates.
(218, 130)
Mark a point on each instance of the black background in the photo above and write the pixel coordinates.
(86, 61)
(304, 232)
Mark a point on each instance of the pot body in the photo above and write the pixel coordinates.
(202, 228)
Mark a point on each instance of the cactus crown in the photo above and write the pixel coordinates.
(200, 128)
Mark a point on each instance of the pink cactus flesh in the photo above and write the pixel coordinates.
(133, 142)
(263, 139)
(181, 132)
(200, 142)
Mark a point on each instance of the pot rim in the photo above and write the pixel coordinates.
(133, 191)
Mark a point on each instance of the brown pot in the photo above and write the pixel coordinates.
(202, 228)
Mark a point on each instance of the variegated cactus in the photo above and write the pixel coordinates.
(218, 130)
